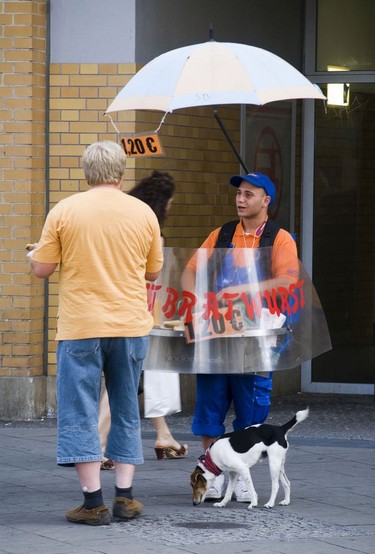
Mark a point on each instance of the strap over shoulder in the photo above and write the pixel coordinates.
(227, 231)
(269, 234)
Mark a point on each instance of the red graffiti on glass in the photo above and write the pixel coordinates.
(279, 300)
(174, 304)
(151, 295)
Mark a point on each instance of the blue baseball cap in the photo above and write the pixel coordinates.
(257, 179)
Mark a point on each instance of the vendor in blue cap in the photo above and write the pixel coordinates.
(249, 393)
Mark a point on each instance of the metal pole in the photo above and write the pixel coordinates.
(220, 123)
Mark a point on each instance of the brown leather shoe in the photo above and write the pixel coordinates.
(107, 464)
(124, 508)
(96, 516)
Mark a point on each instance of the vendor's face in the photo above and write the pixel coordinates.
(251, 200)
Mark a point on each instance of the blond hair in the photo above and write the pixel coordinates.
(104, 162)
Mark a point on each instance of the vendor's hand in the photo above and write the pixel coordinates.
(234, 292)
(226, 290)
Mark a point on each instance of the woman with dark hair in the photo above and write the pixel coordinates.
(161, 389)
(157, 191)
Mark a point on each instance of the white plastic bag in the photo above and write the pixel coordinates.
(161, 393)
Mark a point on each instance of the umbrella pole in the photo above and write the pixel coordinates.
(221, 125)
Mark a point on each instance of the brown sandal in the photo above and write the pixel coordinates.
(107, 464)
(164, 453)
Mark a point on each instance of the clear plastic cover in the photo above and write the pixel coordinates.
(224, 311)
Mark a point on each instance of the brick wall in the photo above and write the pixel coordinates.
(22, 186)
(41, 164)
(196, 154)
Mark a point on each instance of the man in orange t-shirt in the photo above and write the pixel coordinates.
(250, 393)
(106, 244)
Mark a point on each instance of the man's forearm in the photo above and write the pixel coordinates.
(42, 270)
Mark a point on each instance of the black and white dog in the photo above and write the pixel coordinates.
(237, 452)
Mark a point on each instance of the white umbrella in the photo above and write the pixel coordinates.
(213, 73)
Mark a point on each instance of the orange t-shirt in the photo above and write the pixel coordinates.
(105, 242)
(284, 251)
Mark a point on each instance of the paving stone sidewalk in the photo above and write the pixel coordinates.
(331, 466)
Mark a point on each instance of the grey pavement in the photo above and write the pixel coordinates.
(330, 463)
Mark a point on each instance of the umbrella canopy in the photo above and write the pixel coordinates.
(213, 73)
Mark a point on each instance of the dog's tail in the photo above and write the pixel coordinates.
(297, 418)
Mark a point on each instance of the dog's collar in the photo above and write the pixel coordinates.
(207, 462)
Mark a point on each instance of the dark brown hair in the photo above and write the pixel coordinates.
(155, 190)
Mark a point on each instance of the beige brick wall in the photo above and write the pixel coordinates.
(22, 184)
(196, 154)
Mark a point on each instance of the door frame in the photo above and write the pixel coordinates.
(307, 186)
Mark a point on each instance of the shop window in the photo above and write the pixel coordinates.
(345, 35)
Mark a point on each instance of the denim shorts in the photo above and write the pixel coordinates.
(249, 393)
(80, 364)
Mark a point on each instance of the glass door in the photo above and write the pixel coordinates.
(344, 235)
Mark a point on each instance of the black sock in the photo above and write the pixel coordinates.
(93, 499)
(124, 493)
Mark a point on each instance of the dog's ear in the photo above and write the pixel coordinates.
(201, 479)
(197, 473)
